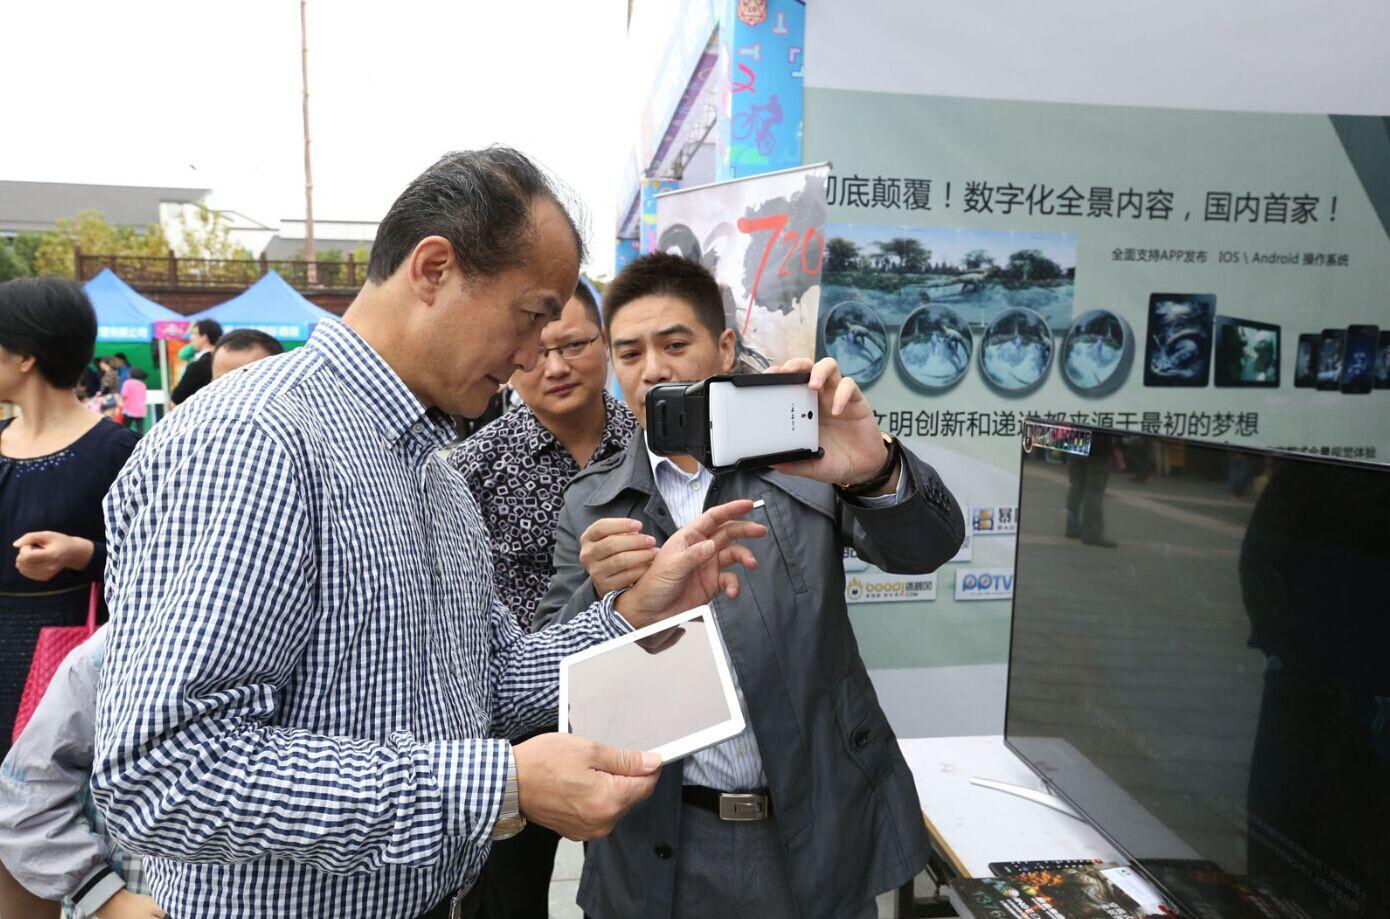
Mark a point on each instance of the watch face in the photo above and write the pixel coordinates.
(507, 827)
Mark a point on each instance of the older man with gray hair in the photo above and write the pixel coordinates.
(309, 672)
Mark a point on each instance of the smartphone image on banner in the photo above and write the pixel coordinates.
(1247, 353)
(1330, 358)
(1359, 358)
(1383, 362)
(1305, 369)
(746, 421)
(1178, 350)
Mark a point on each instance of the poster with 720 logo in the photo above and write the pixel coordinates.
(763, 239)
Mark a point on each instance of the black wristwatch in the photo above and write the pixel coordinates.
(864, 489)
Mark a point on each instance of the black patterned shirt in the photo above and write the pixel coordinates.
(517, 471)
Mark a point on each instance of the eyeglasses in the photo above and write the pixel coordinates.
(570, 350)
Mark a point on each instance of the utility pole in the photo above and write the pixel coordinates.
(313, 274)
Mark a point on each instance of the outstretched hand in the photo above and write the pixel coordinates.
(690, 568)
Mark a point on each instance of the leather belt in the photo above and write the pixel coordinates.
(738, 807)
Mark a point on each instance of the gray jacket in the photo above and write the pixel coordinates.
(844, 800)
(46, 839)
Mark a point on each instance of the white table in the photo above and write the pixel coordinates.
(972, 826)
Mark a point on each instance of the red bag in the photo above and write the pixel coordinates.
(55, 643)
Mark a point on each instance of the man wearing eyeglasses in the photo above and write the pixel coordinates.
(517, 468)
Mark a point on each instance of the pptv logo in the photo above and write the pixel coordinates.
(984, 583)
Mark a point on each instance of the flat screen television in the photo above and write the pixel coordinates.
(1200, 664)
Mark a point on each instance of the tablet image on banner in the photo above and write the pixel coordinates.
(1178, 350)
(665, 688)
(1247, 352)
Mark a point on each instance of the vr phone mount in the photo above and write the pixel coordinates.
(678, 419)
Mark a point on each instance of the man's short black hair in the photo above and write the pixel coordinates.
(210, 329)
(51, 320)
(585, 295)
(480, 201)
(662, 274)
(138, 373)
(246, 339)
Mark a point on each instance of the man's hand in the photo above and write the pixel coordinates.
(43, 553)
(688, 570)
(580, 788)
(126, 905)
(615, 552)
(849, 435)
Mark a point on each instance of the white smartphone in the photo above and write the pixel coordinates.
(749, 421)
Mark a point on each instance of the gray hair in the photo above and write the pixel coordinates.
(480, 201)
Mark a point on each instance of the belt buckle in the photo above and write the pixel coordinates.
(742, 807)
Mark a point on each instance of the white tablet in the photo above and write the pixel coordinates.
(664, 688)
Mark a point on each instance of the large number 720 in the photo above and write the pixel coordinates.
(798, 243)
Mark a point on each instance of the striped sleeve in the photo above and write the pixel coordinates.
(526, 666)
(214, 598)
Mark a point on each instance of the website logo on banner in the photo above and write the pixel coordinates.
(984, 583)
(876, 586)
(993, 519)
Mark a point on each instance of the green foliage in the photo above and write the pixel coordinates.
(90, 232)
(886, 281)
(976, 259)
(905, 254)
(12, 264)
(208, 235)
(1031, 265)
(841, 255)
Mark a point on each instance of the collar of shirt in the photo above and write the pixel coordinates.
(658, 462)
(391, 404)
(539, 438)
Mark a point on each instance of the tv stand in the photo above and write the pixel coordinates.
(1031, 794)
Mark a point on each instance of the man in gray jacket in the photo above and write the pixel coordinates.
(812, 811)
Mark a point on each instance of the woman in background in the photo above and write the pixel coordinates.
(133, 395)
(57, 460)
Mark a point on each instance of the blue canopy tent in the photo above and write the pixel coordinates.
(270, 305)
(123, 314)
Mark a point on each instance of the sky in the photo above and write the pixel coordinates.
(207, 94)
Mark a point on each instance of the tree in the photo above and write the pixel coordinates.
(209, 236)
(1032, 265)
(17, 255)
(911, 256)
(12, 264)
(841, 255)
(90, 232)
(976, 259)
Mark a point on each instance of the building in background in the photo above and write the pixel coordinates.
(725, 99)
(34, 207)
(344, 236)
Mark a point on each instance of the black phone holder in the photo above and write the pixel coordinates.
(678, 419)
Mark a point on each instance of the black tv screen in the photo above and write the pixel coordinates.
(1200, 662)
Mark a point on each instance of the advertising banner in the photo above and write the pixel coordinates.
(763, 239)
(762, 53)
(1202, 274)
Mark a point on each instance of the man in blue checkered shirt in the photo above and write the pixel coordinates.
(310, 677)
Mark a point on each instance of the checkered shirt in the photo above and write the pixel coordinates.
(308, 660)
